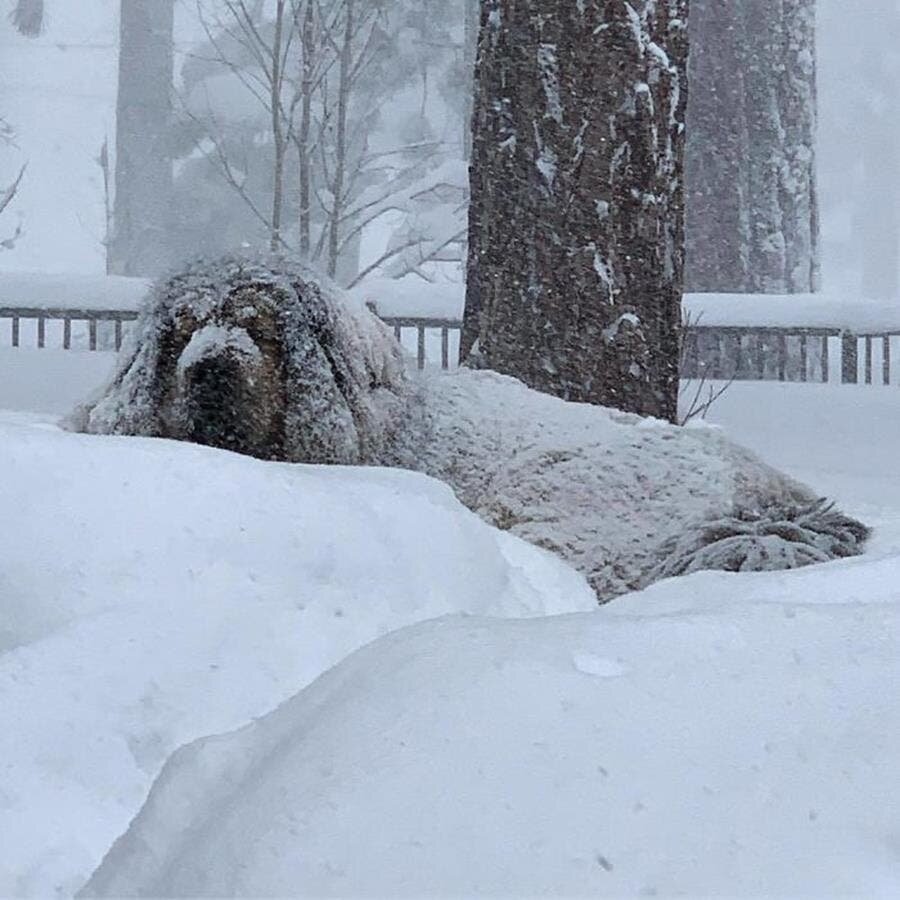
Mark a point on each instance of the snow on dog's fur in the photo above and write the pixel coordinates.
(626, 500)
(261, 359)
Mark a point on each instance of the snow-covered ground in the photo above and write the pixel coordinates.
(153, 592)
(732, 734)
(706, 738)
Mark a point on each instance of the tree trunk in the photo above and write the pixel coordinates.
(140, 244)
(308, 44)
(717, 183)
(576, 225)
(278, 125)
(470, 49)
(875, 121)
(340, 148)
(752, 215)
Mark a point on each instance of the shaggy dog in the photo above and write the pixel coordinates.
(263, 360)
(260, 359)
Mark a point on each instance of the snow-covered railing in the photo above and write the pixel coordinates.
(422, 328)
(753, 353)
(741, 337)
(93, 318)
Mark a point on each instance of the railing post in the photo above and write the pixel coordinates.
(759, 357)
(849, 359)
(781, 345)
(41, 335)
(886, 359)
(868, 359)
(421, 347)
(803, 358)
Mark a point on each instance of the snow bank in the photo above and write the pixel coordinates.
(842, 438)
(413, 297)
(625, 500)
(50, 381)
(793, 311)
(152, 592)
(42, 291)
(718, 735)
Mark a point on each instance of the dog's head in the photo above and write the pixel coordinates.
(261, 359)
(220, 374)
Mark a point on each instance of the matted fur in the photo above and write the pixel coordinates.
(626, 500)
(260, 358)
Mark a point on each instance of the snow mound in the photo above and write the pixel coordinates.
(261, 357)
(736, 740)
(152, 592)
(626, 500)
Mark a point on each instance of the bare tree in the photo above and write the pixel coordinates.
(320, 94)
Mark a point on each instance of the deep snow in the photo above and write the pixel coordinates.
(730, 734)
(152, 592)
(717, 735)
(104, 691)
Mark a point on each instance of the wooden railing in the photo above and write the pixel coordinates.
(93, 318)
(716, 352)
(444, 327)
(754, 353)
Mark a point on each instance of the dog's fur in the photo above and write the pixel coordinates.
(259, 358)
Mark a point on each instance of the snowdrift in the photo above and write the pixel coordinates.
(717, 735)
(152, 592)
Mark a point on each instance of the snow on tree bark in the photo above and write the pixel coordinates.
(576, 231)
(752, 217)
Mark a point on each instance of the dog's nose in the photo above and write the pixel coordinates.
(215, 399)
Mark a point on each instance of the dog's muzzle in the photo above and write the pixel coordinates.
(218, 386)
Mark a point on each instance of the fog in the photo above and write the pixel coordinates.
(59, 94)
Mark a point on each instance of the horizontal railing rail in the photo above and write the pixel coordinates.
(714, 352)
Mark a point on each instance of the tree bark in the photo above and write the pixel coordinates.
(308, 44)
(340, 148)
(278, 125)
(143, 199)
(752, 207)
(576, 224)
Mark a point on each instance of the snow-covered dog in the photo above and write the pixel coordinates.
(626, 500)
(263, 360)
(260, 359)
